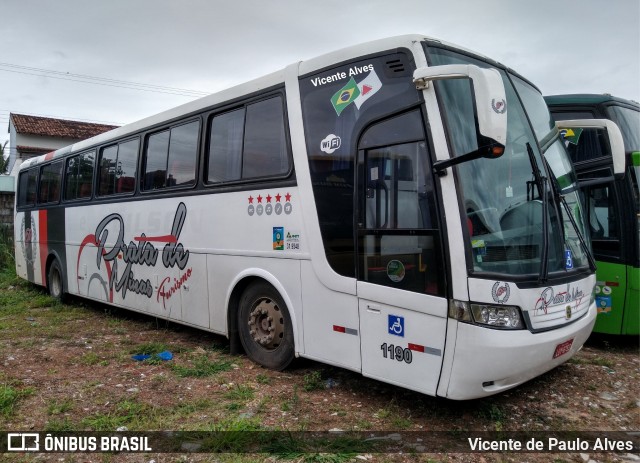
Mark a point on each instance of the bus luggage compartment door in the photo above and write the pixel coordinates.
(402, 346)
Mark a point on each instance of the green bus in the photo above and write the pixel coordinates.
(612, 204)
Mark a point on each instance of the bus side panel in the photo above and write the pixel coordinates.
(53, 241)
(22, 233)
(631, 323)
(331, 323)
(403, 346)
(194, 291)
(611, 287)
(27, 245)
(116, 255)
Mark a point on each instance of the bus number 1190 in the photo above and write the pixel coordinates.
(391, 351)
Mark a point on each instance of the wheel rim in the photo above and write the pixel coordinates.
(266, 324)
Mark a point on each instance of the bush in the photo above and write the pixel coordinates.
(7, 257)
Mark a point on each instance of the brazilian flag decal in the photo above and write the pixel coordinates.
(345, 96)
(571, 135)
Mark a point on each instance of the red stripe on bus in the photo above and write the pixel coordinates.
(416, 347)
(43, 243)
(160, 239)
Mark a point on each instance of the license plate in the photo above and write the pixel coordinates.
(563, 348)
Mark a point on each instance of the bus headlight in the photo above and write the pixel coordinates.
(506, 317)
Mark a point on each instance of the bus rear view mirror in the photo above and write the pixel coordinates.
(607, 133)
(490, 106)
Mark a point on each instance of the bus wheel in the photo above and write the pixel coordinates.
(54, 281)
(265, 327)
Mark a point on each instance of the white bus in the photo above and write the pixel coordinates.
(402, 208)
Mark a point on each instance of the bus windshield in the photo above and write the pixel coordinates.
(522, 211)
(628, 120)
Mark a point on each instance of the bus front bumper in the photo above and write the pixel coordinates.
(487, 361)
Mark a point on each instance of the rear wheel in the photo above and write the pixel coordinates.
(265, 328)
(55, 281)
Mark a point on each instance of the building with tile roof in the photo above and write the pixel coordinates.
(34, 135)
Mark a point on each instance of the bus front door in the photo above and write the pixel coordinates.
(401, 300)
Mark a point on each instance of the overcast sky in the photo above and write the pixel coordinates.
(562, 46)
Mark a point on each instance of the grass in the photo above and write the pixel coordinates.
(9, 398)
(129, 413)
(240, 392)
(313, 381)
(333, 449)
(598, 361)
(292, 403)
(202, 367)
(58, 408)
(494, 413)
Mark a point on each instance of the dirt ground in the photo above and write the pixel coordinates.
(70, 369)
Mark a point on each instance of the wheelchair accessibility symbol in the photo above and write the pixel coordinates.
(396, 325)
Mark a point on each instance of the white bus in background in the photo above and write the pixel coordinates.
(401, 208)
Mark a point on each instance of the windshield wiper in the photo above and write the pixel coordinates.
(542, 183)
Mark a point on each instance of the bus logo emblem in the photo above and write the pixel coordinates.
(568, 312)
(500, 294)
(499, 106)
(396, 325)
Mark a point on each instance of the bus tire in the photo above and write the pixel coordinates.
(55, 281)
(265, 327)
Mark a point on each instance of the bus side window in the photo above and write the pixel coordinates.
(171, 157)
(118, 166)
(183, 155)
(50, 181)
(265, 148)
(27, 187)
(79, 176)
(248, 143)
(225, 147)
(603, 219)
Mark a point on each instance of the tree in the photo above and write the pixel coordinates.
(4, 162)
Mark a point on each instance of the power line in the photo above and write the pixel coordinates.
(39, 72)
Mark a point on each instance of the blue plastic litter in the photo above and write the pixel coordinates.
(166, 355)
